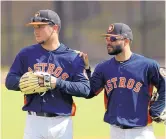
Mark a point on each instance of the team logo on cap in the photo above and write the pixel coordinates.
(37, 14)
(111, 28)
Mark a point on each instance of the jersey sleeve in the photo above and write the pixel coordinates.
(14, 74)
(79, 86)
(96, 81)
(157, 78)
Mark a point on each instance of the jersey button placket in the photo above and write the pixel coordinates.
(120, 70)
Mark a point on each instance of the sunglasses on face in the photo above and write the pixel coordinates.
(113, 38)
(41, 19)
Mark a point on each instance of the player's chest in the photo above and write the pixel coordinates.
(129, 71)
(129, 77)
(55, 65)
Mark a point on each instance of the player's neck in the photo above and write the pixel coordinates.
(124, 55)
(51, 45)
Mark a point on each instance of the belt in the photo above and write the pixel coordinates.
(125, 127)
(44, 114)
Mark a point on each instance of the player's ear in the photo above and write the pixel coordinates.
(127, 41)
(56, 28)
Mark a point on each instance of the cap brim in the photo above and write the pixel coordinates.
(108, 35)
(37, 23)
(105, 35)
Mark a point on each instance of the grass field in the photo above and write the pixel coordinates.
(88, 122)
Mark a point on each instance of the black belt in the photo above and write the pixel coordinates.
(44, 114)
(124, 127)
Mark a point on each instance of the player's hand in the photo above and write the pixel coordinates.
(41, 80)
(85, 58)
(53, 82)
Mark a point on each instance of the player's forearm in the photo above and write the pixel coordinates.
(158, 106)
(12, 82)
(79, 89)
(91, 95)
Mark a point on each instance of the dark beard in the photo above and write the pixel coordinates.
(116, 50)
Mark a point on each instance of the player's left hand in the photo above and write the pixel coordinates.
(161, 118)
(85, 58)
(41, 79)
(36, 82)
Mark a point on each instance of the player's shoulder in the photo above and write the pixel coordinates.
(65, 49)
(70, 53)
(104, 63)
(145, 60)
(29, 49)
